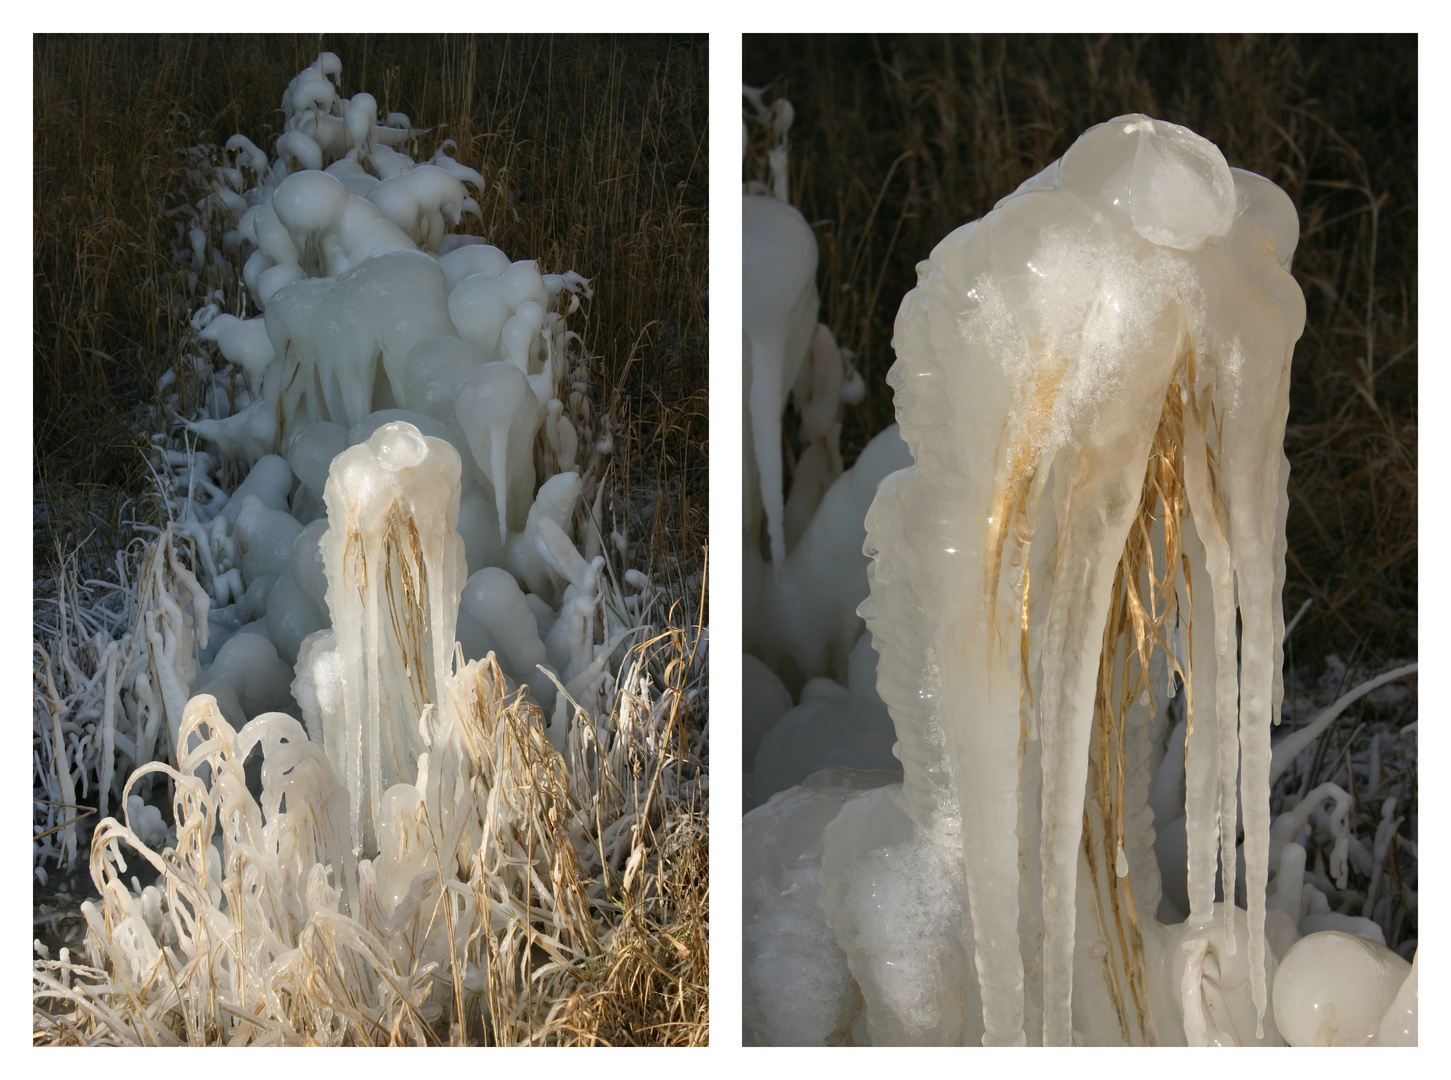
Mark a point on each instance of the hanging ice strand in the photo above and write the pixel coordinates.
(1093, 381)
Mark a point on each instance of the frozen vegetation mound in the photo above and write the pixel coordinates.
(382, 714)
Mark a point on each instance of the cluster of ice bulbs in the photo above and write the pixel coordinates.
(422, 490)
(1093, 385)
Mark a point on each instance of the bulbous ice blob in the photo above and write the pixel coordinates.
(778, 312)
(795, 984)
(249, 664)
(354, 177)
(266, 537)
(1259, 201)
(309, 203)
(252, 607)
(820, 689)
(427, 425)
(764, 700)
(499, 415)
(307, 567)
(272, 236)
(524, 553)
(496, 603)
(1333, 989)
(462, 262)
(478, 524)
(1399, 1026)
(243, 342)
(360, 119)
(299, 151)
(829, 731)
(420, 202)
(805, 623)
(291, 616)
(477, 307)
(269, 480)
(522, 282)
(311, 451)
(1174, 185)
(1211, 985)
(274, 279)
(436, 368)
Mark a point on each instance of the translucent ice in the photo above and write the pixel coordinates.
(797, 988)
(395, 568)
(1335, 989)
(893, 894)
(1093, 382)
(778, 303)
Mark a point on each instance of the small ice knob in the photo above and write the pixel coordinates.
(398, 445)
(1175, 185)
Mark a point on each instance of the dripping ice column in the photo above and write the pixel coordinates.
(962, 733)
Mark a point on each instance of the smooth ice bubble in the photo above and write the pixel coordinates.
(312, 450)
(398, 446)
(269, 480)
(309, 202)
(1174, 185)
(266, 536)
(1333, 989)
(498, 410)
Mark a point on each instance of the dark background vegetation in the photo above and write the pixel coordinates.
(600, 146)
(898, 140)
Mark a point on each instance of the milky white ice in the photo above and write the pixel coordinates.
(1092, 382)
(423, 479)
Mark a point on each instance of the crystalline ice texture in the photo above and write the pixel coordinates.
(1137, 283)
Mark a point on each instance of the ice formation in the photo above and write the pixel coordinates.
(1093, 385)
(804, 571)
(416, 540)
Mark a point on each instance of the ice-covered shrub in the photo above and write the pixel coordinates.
(411, 570)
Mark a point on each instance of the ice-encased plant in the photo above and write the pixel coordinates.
(415, 543)
(1093, 381)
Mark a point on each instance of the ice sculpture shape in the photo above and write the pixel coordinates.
(1093, 382)
(395, 569)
